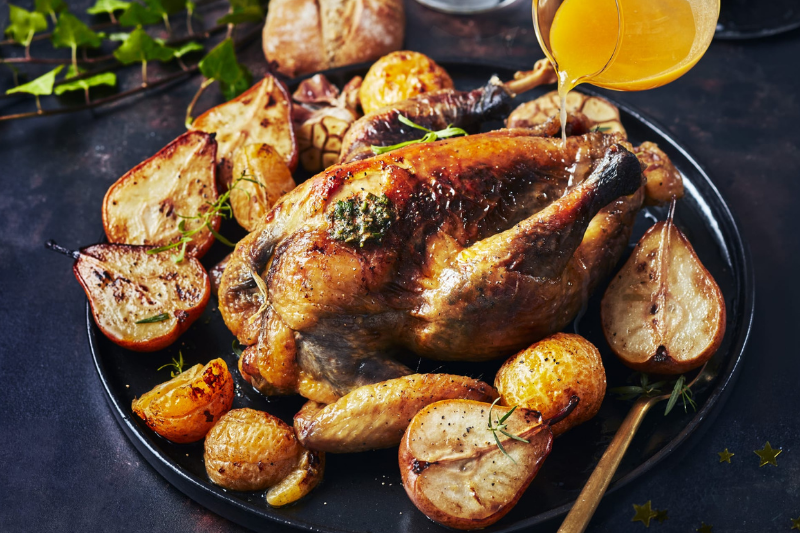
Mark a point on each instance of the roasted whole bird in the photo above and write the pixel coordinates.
(463, 249)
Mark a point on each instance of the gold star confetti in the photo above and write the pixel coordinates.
(661, 515)
(725, 457)
(644, 513)
(795, 523)
(704, 528)
(768, 455)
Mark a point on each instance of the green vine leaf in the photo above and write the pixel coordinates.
(41, 86)
(23, 24)
(108, 7)
(243, 11)
(72, 33)
(138, 15)
(220, 64)
(104, 78)
(140, 47)
(50, 7)
(188, 48)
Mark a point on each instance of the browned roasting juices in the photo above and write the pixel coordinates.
(464, 249)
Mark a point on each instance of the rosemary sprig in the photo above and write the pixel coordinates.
(601, 129)
(220, 208)
(155, 318)
(430, 136)
(645, 388)
(176, 364)
(681, 390)
(500, 425)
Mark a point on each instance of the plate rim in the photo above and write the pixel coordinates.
(253, 517)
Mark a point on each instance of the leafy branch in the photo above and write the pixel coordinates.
(500, 425)
(141, 47)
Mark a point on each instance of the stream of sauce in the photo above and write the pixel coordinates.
(657, 43)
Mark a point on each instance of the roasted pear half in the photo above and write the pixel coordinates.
(465, 464)
(663, 312)
(140, 301)
(262, 114)
(151, 202)
(264, 178)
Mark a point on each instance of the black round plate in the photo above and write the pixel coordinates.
(754, 19)
(362, 492)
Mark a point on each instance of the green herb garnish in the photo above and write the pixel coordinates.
(221, 208)
(237, 349)
(645, 388)
(361, 220)
(176, 364)
(602, 129)
(500, 425)
(155, 318)
(430, 136)
(682, 391)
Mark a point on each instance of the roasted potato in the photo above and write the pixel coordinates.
(663, 313)
(265, 179)
(455, 471)
(375, 416)
(546, 375)
(664, 181)
(184, 408)
(140, 301)
(399, 76)
(253, 450)
(148, 203)
(262, 114)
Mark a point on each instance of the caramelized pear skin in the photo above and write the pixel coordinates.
(262, 114)
(453, 469)
(126, 285)
(663, 313)
(150, 203)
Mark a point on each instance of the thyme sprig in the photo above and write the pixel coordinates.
(430, 136)
(221, 208)
(645, 388)
(500, 425)
(176, 364)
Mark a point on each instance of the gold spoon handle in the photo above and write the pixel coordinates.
(586, 504)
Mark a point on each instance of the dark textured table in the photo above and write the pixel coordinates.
(66, 466)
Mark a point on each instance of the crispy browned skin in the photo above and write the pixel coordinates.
(478, 262)
(435, 111)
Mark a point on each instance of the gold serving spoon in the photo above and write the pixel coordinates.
(582, 511)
